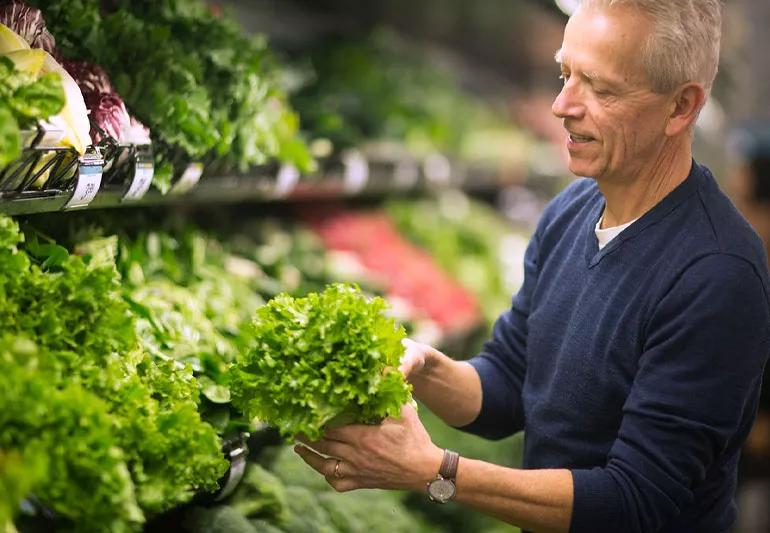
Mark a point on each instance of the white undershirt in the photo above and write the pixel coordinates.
(607, 234)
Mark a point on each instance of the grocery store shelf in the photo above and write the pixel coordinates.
(120, 176)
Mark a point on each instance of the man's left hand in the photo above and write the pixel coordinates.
(397, 454)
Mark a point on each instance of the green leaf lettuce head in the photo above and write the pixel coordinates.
(122, 431)
(326, 359)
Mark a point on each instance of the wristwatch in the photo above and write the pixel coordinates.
(443, 488)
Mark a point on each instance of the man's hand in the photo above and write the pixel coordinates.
(397, 454)
(415, 358)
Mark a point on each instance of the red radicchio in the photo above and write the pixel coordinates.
(28, 22)
(108, 112)
(89, 77)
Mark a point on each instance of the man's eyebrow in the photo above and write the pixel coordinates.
(557, 56)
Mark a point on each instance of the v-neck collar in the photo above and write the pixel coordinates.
(683, 191)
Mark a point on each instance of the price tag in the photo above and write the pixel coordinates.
(406, 174)
(356, 172)
(189, 179)
(88, 182)
(143, 174)
(287, 179)
(438, 169)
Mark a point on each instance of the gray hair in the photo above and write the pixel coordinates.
(684, 44)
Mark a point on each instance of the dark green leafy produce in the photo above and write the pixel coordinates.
(306, 515)
(375, 88)
(216, 98)
(371, 511)
(328, 358)
(260, 494)
(219, 519)
(263, 526)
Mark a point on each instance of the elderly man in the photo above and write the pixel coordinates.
(632, 355)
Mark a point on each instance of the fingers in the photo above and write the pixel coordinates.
(413, 358)
(349, 434)
(336, 471)
(316, 461)
(328, 446)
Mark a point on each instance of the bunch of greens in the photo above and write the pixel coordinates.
(25, 98)
(109, 406)
(192, 301)
(324, 359)
(291, 497)
(375, 88)
(18, 474)
(208, 98)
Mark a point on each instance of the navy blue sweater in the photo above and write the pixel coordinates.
(637, 367)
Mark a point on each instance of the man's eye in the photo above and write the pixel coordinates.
(564, 77)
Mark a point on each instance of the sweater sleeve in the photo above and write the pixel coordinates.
(501, 365)
(694, 397)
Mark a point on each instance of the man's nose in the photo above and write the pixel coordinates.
(568, 102)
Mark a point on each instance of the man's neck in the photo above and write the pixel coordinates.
(629, 199)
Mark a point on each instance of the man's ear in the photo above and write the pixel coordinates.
(685, 106)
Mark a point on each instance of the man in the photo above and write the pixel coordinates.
(632, 355)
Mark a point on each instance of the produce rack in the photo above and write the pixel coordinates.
(52, 178)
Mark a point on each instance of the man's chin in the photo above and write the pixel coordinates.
(581, 169)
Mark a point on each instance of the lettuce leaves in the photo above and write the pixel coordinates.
(24, 98)
(121, 431)
(327, 359)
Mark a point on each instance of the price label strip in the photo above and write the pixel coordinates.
(287, 179)
(406, 174)
(356, 172)
(189, 179)
(144, 171)
(88, 182)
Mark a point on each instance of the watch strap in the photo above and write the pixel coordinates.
(449, 463)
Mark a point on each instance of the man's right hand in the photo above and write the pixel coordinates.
(414, 359)
(449, 388)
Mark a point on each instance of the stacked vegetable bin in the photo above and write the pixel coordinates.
(121, 328)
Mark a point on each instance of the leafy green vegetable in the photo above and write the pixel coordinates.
(327, 358)
(217, 98)
(72, 429)
(220, 519)
(260, 494)
(18, 474)
(306, 515)
(376, 87)
(374, 511)
(110, 407)
(24, 98)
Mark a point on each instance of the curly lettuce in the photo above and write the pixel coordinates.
(326, 359)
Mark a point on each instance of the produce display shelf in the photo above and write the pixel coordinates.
(125, 182)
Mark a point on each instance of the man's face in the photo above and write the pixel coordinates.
(615, 123)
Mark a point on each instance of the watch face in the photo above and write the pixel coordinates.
(441, 490)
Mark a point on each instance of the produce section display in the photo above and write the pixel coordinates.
(151, 102)
(213, 99)
(165, 315)
(83, 399)
(142, 348)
